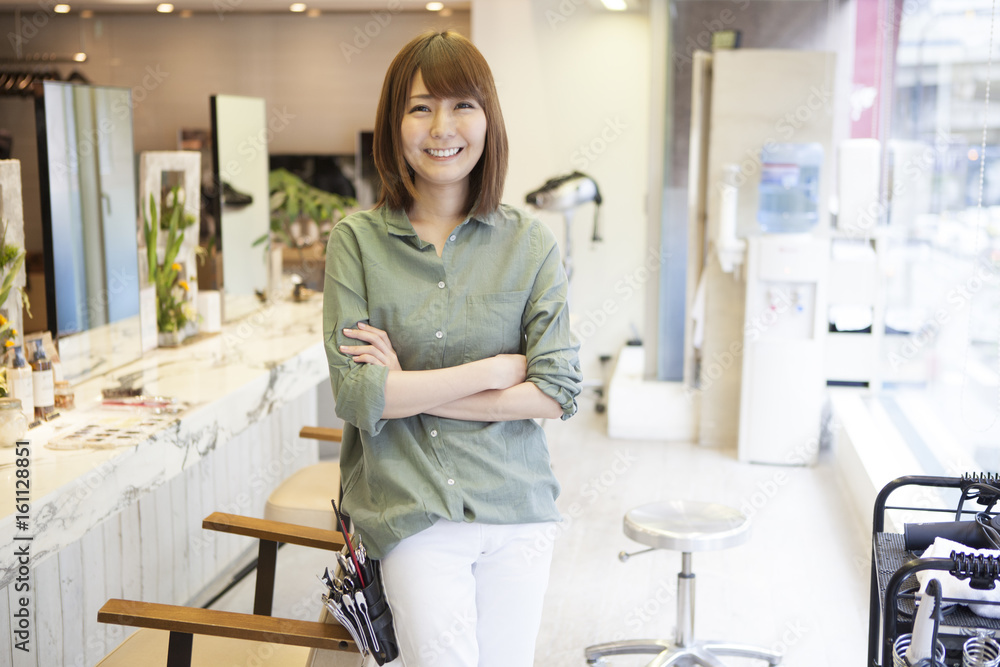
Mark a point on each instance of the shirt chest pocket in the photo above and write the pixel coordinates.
(493, 324)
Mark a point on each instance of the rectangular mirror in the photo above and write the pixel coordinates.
(241, 199)
(89, 214)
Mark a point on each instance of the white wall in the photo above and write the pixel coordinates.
(571, 75)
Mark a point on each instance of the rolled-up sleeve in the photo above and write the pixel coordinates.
(359, 389)
(552, 350)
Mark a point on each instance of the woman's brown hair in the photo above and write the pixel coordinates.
(451, 66)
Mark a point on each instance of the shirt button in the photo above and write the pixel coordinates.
(439, 334)
(434, 433)
(441, 284)
(451, 482)
(452, 237)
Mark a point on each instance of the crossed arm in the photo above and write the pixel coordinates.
(491, 389)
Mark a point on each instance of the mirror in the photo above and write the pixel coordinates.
(241, 199)
(87, 177)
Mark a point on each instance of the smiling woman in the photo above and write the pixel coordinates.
(447, 333)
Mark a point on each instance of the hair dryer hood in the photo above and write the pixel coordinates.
(563, 193)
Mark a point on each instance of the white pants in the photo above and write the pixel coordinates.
(468, 594)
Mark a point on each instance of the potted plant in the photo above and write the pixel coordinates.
(173, 309)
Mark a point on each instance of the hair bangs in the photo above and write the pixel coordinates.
(451, 72)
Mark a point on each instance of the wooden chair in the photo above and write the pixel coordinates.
(168, 632)
(304, 498)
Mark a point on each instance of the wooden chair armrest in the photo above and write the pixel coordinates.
(196, 621)
(275, 531)
(322, 433)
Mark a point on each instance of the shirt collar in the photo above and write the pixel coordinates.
(399, 224)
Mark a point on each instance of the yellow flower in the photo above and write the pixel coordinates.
(8, 343)
(184, 284)
(3, 320)
(175, 266)
(13, 332)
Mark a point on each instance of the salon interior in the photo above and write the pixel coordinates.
(781, 222)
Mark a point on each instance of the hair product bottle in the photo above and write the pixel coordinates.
(44, 383)
(21, 386)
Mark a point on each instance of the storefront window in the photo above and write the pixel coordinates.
(941, 247)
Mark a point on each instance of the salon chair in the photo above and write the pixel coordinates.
(179, 636)
(684, 526)
(304, 497)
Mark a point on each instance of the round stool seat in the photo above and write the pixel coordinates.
(685, 525)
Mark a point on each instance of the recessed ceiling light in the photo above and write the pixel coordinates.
(313, 13)
(61, 9)
(87, 14)
(435, 6)
(164, 8)
(186, 13)
(80, 57)
(297, 7)
(615, 5)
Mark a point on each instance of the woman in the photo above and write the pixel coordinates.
(447, 333)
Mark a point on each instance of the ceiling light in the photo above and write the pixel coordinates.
(164, 8)
(80, 57)
(435, 6)
(186, 13)
(615, 5)
(298, 7)
(313, 13)
(61, 9)
(87, 14)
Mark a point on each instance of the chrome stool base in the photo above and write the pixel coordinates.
(686, 527)
(703, 653)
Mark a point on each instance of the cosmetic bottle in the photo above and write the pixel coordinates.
(44, 384)
(21, 386)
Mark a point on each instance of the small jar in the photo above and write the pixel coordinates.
(13, 423)
(64, 396)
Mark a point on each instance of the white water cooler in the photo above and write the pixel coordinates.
(785, 323)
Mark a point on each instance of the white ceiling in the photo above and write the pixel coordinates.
(212, 6)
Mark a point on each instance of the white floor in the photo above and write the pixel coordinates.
(799, 586)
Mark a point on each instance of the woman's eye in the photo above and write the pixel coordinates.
(420, 107)
(465, 105)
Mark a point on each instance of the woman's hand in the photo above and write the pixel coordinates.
(509, 370)
(378, 351)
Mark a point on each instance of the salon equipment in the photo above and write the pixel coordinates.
(564, 194)
(684, 526)
(356, 599)
(968, 581)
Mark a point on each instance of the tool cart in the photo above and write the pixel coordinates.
(894, 585)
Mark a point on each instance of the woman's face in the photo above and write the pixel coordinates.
(443, 139)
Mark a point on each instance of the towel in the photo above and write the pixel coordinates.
(952, 587)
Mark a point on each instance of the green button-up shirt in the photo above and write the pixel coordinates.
(498, 287)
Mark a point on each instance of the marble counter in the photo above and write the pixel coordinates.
(239, 384)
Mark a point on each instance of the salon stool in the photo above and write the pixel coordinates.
(684, 526)
(304, 497)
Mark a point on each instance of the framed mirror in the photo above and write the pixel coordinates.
(241, 199)
(89, 213)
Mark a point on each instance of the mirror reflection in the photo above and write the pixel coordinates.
(86, 163)
(239, 132)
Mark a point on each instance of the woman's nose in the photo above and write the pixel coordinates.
(443, 125)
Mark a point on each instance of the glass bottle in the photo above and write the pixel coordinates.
(13, 424)
(21, 386)
(44, 383)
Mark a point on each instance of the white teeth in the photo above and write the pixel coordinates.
(442, 153)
